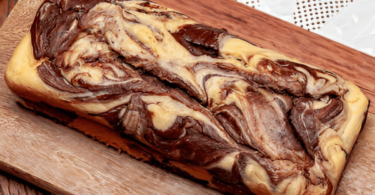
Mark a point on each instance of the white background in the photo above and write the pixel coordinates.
(350, 22)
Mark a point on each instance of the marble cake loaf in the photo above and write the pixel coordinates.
(212, 106)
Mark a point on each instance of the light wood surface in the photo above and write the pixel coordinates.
(8, 183)
(62, 160)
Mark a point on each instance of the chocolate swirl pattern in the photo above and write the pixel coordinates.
(249, 117)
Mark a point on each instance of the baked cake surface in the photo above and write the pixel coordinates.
(198, 98)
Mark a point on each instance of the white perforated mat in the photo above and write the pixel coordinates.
(312, 14)
(350, 23)
(308, 14)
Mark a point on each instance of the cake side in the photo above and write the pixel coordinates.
(137, 150)
(240, 60)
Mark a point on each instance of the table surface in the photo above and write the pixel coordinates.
(358, 163)
(10, 184)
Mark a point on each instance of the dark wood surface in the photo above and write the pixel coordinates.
(63, 161)
(11, 185)
(3, 11)
(6, 6)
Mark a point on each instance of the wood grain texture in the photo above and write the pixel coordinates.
(62, 160)
(359, 174)
(9, 185)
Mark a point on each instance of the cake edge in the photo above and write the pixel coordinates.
(22, 78)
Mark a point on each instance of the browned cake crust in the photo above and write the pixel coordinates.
(152, 82)
(130, 146)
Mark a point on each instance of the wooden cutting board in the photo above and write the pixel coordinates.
(64, 161)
